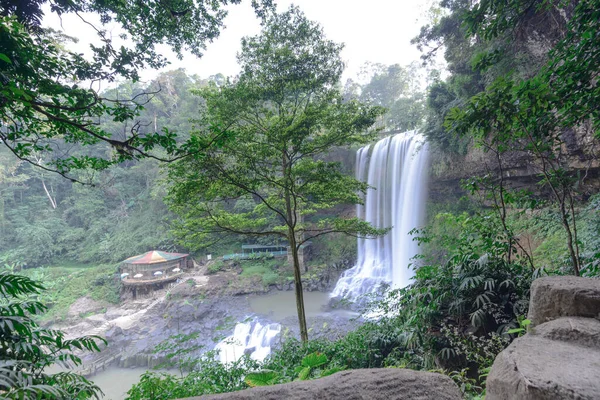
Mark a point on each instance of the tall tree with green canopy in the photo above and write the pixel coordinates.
(48, 94)
(265, 136)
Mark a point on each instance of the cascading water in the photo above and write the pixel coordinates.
(396, 169)
(249, 337)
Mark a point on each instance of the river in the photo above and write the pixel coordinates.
(277, 307)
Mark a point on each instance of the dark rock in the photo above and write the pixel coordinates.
(371, 384)
(564, 296)
(113, 332)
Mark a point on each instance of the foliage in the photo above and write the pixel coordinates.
(311, 366)
(265, 136)
(215, 266)
(523, 327)
(207, 376)
(27, 350)
(455, 313)
(268, 270)
(394, 87)
(483, 41)
(522, 85)
(45, 219)
(66, 284)
(264, 377)
(47, 100)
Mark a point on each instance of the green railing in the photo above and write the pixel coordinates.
(246, 256)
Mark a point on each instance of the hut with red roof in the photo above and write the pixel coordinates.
(152, 268)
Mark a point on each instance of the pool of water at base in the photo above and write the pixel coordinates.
(115, 381)
(282, 304)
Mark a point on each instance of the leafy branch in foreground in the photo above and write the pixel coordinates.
(26, 350)
(49, 96)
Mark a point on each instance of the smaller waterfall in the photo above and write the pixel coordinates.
(249, 337)
(396, 169)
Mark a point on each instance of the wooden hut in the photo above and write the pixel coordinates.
(152, 269)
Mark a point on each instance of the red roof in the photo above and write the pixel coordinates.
(154, 257)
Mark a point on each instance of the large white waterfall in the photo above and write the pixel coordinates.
(249, 337)
(396, 168)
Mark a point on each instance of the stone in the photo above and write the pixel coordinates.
(559, 359)
(563, 296)
(577, 330)
(84, 305)
(363, 384)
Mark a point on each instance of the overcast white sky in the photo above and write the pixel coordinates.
(378, 31)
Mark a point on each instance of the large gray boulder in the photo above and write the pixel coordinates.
(358, 384)
(561, 360)
(563, 296)
(558, 359)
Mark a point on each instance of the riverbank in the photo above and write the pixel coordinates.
(207, 306)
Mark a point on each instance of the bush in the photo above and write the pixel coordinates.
(216, 266)
(207, 376)
(27, 349)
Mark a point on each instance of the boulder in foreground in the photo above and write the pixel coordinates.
(560, 356)
(358, 384)
(563, 296)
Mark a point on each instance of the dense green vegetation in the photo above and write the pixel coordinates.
(27, 350)
(48, 104)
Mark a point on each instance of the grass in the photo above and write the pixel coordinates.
(66, 283)
(268, 270)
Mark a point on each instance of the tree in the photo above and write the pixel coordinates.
(513, 38)
(26, 350)
(47, 97)
(265, 136)
(396, 88)
(535, 114)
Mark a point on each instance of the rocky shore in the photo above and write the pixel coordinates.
(205, 305)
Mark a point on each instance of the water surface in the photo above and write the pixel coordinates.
(115, 381)
(282, 304)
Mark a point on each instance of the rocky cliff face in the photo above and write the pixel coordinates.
(578, 153)
(560, 356)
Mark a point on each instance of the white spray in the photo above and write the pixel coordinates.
(249, 337)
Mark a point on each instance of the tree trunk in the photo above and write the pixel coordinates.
(291, 223)
(52, 200)
(298, 289)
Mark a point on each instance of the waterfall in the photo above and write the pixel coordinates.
(250, 337)
(396, 168)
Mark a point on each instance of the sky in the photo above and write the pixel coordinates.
(377, 31)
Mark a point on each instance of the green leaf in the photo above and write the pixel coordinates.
(332, 371)
(314, 360)
(5, 58)
(262, 378)
(304, 373)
